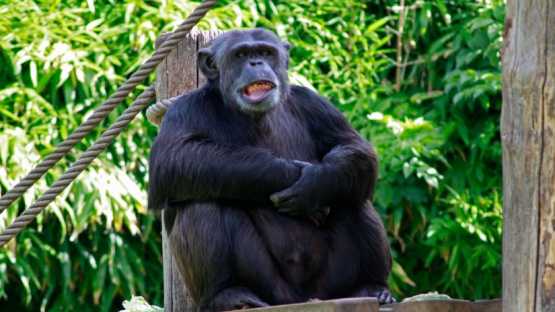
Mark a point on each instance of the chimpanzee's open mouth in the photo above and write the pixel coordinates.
(257, 90)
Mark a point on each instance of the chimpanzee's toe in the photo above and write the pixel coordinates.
(385, 297)
(380, 293)
(236, 298)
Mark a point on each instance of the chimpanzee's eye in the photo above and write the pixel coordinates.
(266, 53)
(240, 54)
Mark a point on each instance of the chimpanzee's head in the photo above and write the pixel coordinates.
(249, 67)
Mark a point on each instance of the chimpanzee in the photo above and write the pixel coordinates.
(266, 186)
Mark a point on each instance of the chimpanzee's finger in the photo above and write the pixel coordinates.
(302, 163)
(290, 206)
(280, 197)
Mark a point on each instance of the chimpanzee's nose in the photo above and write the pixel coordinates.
(255, 62)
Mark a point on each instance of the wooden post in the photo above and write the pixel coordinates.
(177, 74)
(527, 132)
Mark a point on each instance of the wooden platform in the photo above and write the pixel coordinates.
(371, 305)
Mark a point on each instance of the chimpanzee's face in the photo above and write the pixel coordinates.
(250, 67)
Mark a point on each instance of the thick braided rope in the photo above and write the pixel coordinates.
(100, 113)
(156, 112)
(81, 164)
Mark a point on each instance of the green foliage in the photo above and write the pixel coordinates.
(96, 243)
(430, 105)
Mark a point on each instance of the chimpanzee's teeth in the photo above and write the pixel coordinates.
(258, 86)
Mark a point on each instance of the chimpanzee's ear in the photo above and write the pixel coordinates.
(207, 65)
(287, 46)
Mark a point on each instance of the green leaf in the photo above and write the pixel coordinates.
(33, 73)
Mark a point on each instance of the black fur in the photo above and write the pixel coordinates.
(266, 206)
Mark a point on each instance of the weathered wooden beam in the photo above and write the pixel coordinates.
(339, 305)
(527, 132)
(177, 74)
(371, 305)
(487, 306)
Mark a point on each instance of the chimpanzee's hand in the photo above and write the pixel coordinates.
(306, 196)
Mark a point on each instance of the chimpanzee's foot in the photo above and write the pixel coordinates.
(382, 294)
(235, 298)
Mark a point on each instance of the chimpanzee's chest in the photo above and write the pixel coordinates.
(287, 137)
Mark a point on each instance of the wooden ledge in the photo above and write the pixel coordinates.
(338, 305)
(451, 305)
(371, 305)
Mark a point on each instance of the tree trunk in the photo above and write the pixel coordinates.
(527, 131)
(178, 74)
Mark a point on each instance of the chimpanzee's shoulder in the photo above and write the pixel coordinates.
(302, 92)
(193, 103)
(309, 101)
(192, 110)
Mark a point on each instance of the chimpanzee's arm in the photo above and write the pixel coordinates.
(354, 165)
(348, 170)
(185, 164)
